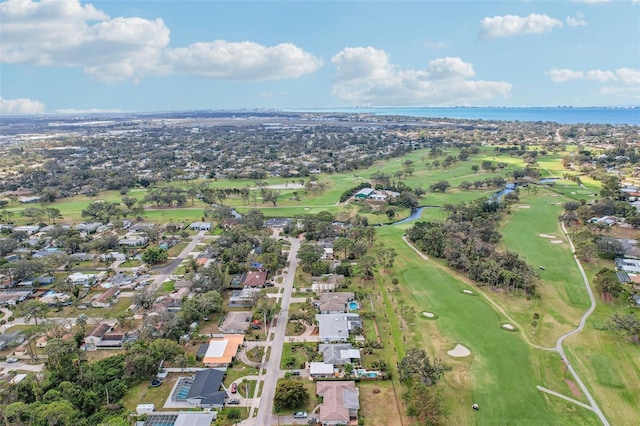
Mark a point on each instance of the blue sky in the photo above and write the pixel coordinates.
(73, 56)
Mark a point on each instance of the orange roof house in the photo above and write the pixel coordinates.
(222, 349)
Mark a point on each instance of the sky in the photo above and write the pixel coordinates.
(71, 56)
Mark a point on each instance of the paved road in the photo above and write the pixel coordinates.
(264, 416)
(5, 367)
(165, 271)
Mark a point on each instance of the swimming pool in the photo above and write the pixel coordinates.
(182, 389)
(353, 305)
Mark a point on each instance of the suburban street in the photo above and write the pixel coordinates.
(276, 341)
(165, 271)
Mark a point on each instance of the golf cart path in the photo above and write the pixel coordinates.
(583, 320)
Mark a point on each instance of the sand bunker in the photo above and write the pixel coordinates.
(547, 236)
(554, 195)
(508, 326)
(556, 241)
(467, 291)
(524, 207)
(573, 193)
(459, 351)
(428, 314)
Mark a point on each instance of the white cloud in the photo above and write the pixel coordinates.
(365, 76)
(512, 25)
(627, 79)
(564, 75)
(594, 1)
(68, 34)
(577, 21)
(20, 106)
(242, 61)
(628, 76)
(435, 44)
(599, 75)
(87, 111)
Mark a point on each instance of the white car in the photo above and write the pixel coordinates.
(300, 415)
(12, 360)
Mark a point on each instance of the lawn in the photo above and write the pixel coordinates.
(379, 408)
(503, 370)
(238, 370)
(144, 393)
(294, 355)
(116, 309)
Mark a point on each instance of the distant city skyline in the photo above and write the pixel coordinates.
(70, 56)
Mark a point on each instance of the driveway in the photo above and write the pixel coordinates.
(5, 367)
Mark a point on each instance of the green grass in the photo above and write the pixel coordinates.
(503, 370)
(116, 309)
(166, 287)
(563, 296)
(298, 352)
(238, 370)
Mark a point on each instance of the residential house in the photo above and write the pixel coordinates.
(337, 327)
(29, 229)
(628, 265)
(111, 341)
(321, 370)
(222, 349)
(53, 298)
(78, 278)
(133, 240)
(327, 253)
(88, 227)
(340, 402)
(205, 390)
(326, 283)
(93, 338)
(339, 353)
(167, 243)
(13, 297)
(243, 298)
(254, 279)
(200, 226)
(178, 418)
(105, 299)
(331, 303)
(278, 223)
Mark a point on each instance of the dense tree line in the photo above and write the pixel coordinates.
(73, 391)
(466, 240)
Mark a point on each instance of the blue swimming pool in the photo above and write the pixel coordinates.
(353, 305)
(182, 389)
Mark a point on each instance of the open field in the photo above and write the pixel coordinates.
(379, 408)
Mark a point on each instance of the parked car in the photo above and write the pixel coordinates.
(233, 401)
(234, 388)
(300, 415)
(12, 360)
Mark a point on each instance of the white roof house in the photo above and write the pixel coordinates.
(320, 369)
(336, 327)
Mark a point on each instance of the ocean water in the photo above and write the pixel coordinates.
(562, 115)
